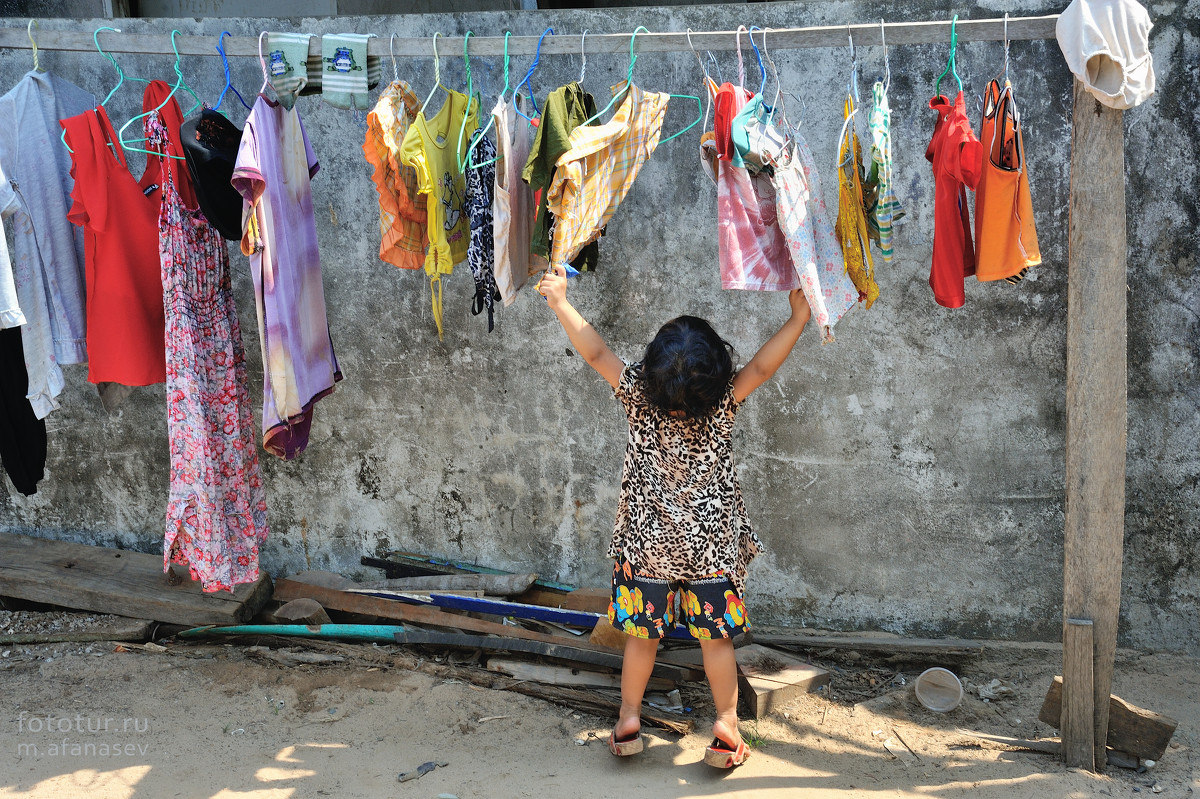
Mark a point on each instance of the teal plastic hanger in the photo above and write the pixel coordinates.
(537, 56)
(120, 78)
(491, 119)
(458, 157)
(629, 82)
(950, 64)
(180, 83)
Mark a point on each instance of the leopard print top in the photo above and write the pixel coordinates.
(680, 514)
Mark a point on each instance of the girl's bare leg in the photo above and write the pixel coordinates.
(635, 673)
(721, 668)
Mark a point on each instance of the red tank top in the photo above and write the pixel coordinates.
(119, 217)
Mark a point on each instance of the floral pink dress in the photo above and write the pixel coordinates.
(217, 510)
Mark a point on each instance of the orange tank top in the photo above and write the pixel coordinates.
(1005, 238)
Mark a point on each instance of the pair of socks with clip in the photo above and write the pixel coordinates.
(342, 76)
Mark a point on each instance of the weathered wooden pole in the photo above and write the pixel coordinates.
(1096, 411)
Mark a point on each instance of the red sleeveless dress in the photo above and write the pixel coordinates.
(119, 217)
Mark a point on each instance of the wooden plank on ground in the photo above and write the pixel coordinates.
(411, 564)
(332, 599)
(871, 643)
(301, 611)
(593, 600)
(561, 651)
(768, 678)
(566, 675)
(1077, 720)
(491, 584)
(117, 581)
(1140, 732)
(132, 630)
(1097, 392)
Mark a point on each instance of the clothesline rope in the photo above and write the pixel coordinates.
(867, 34)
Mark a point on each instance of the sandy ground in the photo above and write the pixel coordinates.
(215, 720)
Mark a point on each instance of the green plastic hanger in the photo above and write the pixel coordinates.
(179, 84)
(629, 82)
(491, 119)
(950, 65)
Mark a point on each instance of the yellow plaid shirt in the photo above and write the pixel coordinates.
(595, 174)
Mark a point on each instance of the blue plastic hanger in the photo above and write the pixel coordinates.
(620, 94)
(537, 56)
(950, 64)
(179, 84)
(483, 131)
(228, 81)
(758, 54)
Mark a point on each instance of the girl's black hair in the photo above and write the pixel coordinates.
(687, 367)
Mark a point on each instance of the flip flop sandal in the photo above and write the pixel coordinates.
(625, 747)
(721, 755)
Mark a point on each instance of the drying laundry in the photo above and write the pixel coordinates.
(513, 204)
(10, 309)
(344, 70)
(804, 220)
(287, 65)
(565, 109)
(119, 217)
(210, 145)
(851, 225)
(1006, 243)
(481, 251)
(22, 434)
(48, 254)
(956, 156)
(273, 174)
(885, 209)
(757, 142)
(596, 172)
(402, 207)
(216, 518)
(429, 147)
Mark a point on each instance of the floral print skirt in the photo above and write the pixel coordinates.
(650, 607)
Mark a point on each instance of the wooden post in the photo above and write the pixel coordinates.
(1096, 409)
(1077, 719)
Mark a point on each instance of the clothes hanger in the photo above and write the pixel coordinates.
(537, 56)
(220, 48)
(758, 54)
(699, 61)
(1004, 70)
(491, 119)
(950, 63)
(437, 75)
(121, 77)
(777, 103)
(716, 66)
(620, 94)
(180, 83)
(741, 64)
(392, 53)
(467, 113)
(852, 95)
(583, 55)
(33, 23)
(263, 63)
(887, 64)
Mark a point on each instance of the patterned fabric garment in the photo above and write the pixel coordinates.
(513, 205)
(851, 225)
(402, 208)
(751, 248)
(757, 142)
(804, 220)
(646, 607)
(481, 251)
(217, 509)
(595, 174)
(274, 173)
(680, 514)
(886, 209)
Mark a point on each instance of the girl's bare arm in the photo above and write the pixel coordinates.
(772, 354)
(585, 339)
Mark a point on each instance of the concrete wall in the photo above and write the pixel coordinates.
(907, 477)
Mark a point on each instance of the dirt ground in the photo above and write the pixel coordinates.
(222, 721)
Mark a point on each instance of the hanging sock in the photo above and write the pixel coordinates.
(344, 81)
(287, 65)
(884, 208)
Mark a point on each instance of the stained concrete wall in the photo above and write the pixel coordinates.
(907, 477)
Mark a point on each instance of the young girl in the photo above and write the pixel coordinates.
(681, 530)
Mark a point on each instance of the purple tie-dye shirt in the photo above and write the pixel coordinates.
(274, 170)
